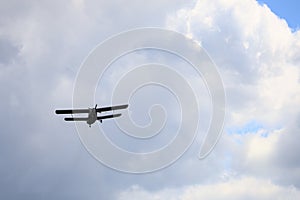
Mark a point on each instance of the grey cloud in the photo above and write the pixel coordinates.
(8, 51)
(41, 156)
(285, 159)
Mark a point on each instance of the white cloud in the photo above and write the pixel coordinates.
(235, 189)
(255, 51)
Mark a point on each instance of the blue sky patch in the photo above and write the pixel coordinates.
(250, 127)
(288, 10)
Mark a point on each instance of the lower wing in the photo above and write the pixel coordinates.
(98, 118)
(76, 119)
(108, 116)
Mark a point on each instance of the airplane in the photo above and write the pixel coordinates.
(92, 113)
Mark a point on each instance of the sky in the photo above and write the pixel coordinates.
(255, 47)
(286, 10)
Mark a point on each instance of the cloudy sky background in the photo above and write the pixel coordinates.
(42, 45)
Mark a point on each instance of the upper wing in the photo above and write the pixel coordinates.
(108, 116)
(76, 119)
(104, 109)
(72, 111)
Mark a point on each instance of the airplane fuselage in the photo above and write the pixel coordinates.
(92, 117)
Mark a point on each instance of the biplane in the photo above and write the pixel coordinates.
(92, 113)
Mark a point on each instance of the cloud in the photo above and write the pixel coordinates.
(236, 188)
(43, 45)
(255, 52)
(8, 52)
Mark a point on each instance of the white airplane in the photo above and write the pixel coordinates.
(92, 113)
